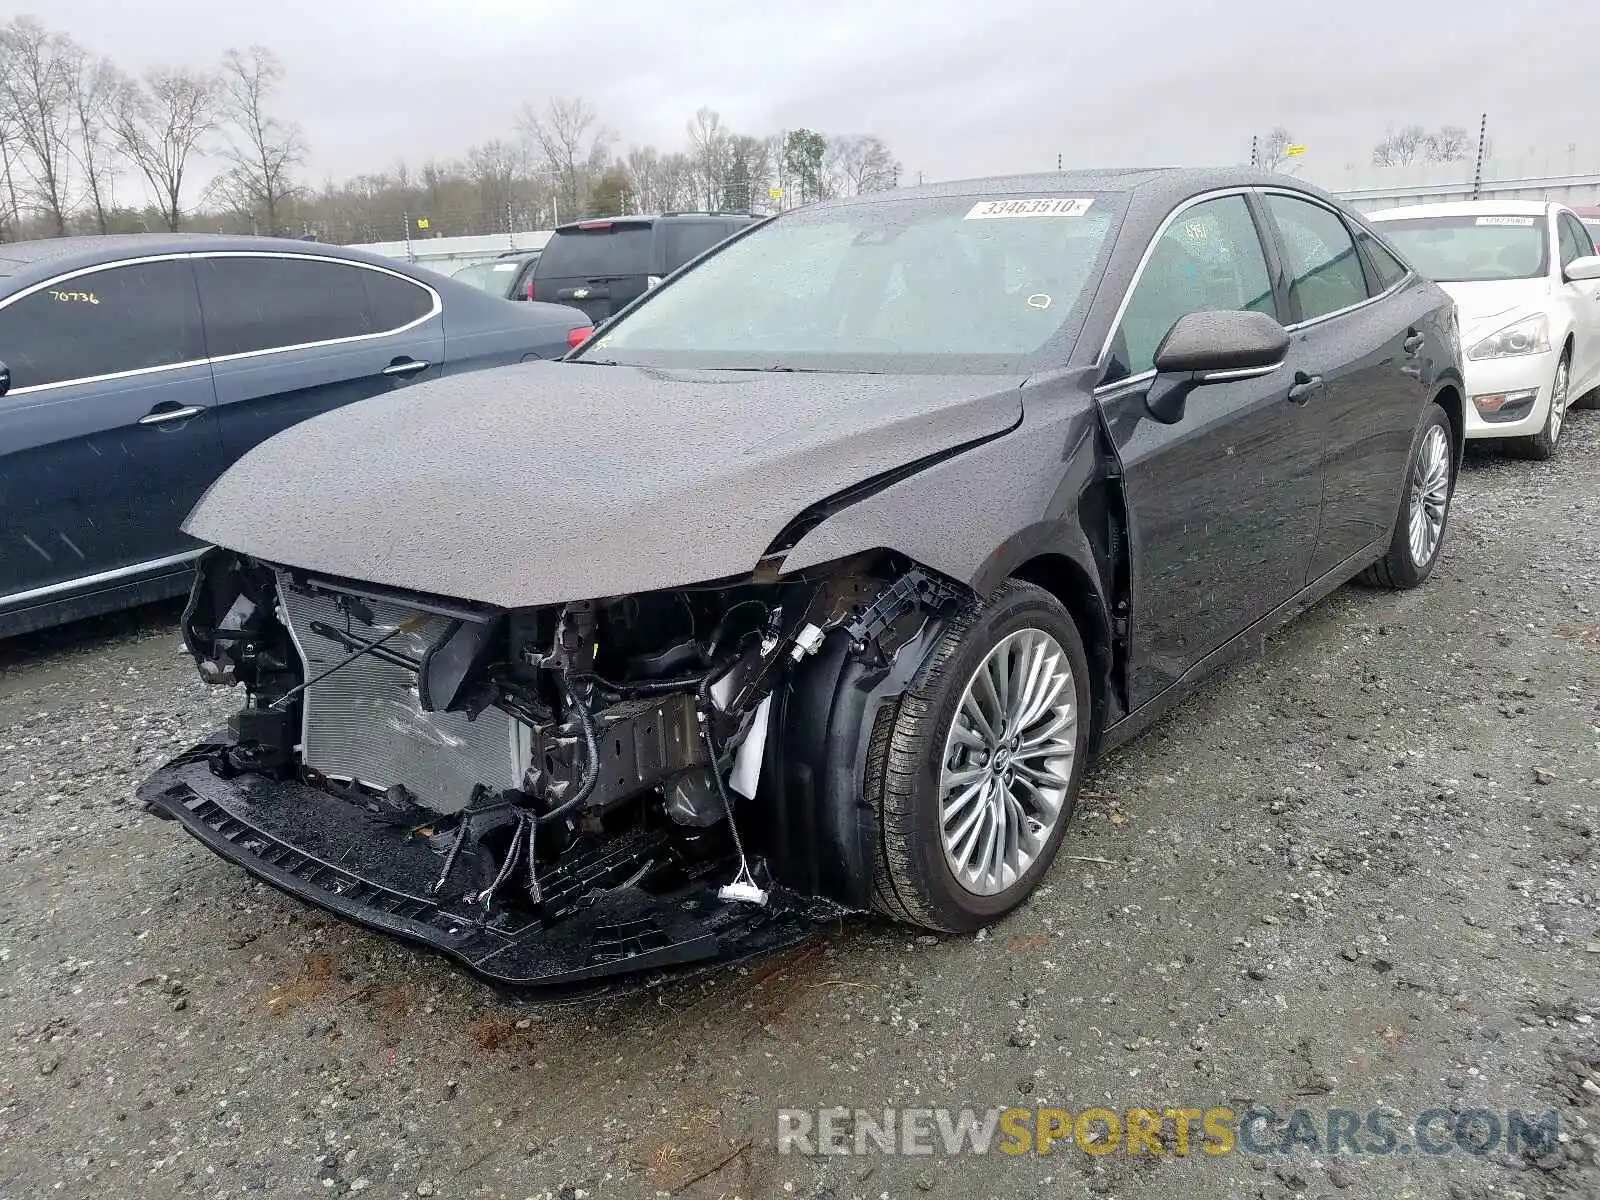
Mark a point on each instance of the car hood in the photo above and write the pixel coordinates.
(1487, 305)
(561, 481)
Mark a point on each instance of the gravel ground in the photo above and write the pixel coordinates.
(1360, 870)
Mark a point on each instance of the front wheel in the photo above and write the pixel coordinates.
(1541, 447)
(974, 773)
(1424, 509)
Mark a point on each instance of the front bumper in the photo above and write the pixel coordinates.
(1500, 376)
(330, 853)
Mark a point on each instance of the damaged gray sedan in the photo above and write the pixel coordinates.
(813, 582)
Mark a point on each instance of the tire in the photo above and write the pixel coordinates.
(1399, 568)
(1541, 447)
(913, 742)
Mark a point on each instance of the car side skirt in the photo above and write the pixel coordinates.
(76, 606)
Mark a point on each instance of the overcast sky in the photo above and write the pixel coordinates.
(956, 87)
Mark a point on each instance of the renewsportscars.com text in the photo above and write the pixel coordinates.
(1178, 1132)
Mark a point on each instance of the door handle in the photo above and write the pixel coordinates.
(402, 367)
(1413, 342)
(171, 414)
(1304, 387)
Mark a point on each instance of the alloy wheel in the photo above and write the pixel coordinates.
(1008, 762)
(1558, 400)
(1430, 495)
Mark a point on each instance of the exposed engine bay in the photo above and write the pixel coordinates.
(556, 793)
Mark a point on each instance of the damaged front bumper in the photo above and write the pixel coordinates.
(380, 874)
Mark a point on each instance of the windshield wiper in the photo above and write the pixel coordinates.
(795, 370)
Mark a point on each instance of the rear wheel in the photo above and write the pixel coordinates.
(1541, 447)
(1424, 509)
(974, 773)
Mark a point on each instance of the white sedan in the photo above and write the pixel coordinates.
(1526, 281)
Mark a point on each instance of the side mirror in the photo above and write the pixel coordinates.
(1212, 347)
(5, 373)
(1587, 267)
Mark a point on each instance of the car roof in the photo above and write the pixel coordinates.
(1468, 208)
(651, 218)
(44, 256)
(1156, 184)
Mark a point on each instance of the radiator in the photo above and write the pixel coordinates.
(364, 722)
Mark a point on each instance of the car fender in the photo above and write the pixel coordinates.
(1036, 503)
(970, 514)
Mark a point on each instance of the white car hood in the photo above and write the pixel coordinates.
(1491, 304)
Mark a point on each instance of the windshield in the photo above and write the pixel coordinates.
(478, 275)
(1472, 249)
(961, 284)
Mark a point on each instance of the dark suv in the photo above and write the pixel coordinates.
(599, 266)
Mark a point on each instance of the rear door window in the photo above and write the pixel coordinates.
(103, 322)
(686, 240)
(624, 248)
(1322, 256)
(1388, 269)
(270, 302)
(393, 302)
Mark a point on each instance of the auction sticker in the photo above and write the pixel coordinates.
(1505, 221)
(987, 210)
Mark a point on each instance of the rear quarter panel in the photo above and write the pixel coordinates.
(486, 331)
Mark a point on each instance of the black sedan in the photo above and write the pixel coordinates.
(134, 370)
(814, 581)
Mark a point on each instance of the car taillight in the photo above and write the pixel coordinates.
(530, 289)
(577, 337)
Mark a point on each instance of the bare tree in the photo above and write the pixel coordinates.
(862, 164)
(569, 138)
(263, 150)
(677, 183)
(160, 126)
(1401, 147)
(1273, 150)
(37, 85)
(1450, 143)
(10, 155)
(498, 169)
(644, 168)
(708, 142)
(95, 84)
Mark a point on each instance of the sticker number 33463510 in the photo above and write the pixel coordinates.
(990, 209)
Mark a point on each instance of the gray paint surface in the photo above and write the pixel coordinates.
(960, 514)
(550, 482)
